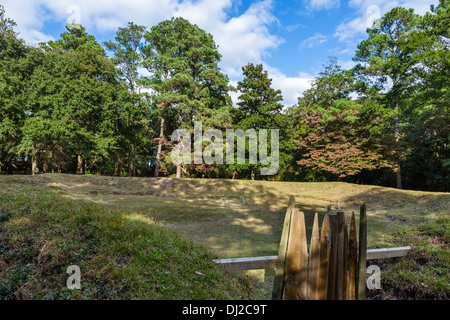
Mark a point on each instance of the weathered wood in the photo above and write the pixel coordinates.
(362, 252)
(345, 275)
(352, 259)
(332, 266)
(340, 255)
(296, 259)
(278, 283)
(270, 262)
(314, 261)
(324, 254)
(386, 253)
(252, 263)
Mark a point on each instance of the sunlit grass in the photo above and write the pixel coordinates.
(193, 208)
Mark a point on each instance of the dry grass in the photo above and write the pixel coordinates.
(193, 208)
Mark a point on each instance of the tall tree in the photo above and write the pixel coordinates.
(389, 53)
(334, 133)
(128, 58)
(13, 71)
(73, 95)
(259, 104)
(127, 52)
(428, 129)
(183, 62)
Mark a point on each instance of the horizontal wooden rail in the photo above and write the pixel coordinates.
(269, 262)
(386, 253)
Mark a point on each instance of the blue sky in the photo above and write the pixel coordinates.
(292, 39)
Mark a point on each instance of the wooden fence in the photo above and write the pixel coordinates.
(332, 268)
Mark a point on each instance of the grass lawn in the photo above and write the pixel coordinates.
(193, 208)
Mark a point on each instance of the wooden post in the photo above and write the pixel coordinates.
(332, 267)
(314, 261)
(345, 261)
(362, 253)
(340, 255)
(352, 259)
(325, 248)
(278, 282)
(296, 259)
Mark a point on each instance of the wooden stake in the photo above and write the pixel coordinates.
(324, 253)
(296, 259)
(352, 259)
(314, 261)
(332, 267)
(278, 282)
(362, 253)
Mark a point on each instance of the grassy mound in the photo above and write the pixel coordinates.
(425, 273)
(121, 254)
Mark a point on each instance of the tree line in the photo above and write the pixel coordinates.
(77, 106)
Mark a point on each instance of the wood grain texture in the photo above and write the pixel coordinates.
(314, 261)
(296, 259)
(325, 250)
(278, 282)
(362, 252)
(352, 259)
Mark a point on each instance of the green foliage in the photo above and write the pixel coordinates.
(127, 52)
(183, 60)
(13, 70)
(335, 134)
(188, 84)
(68, 107)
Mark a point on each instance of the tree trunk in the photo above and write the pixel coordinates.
(397, 140)
(116, 168)
(399, 176)
(34, 162)
(81, 165)
(179, 172)
(34, 165)
(134, 156)
(130, 160)
(158, 153)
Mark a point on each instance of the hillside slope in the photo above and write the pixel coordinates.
(121, 254)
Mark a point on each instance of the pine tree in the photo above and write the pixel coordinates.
(188, 84)
(389, 52)
(259, 106)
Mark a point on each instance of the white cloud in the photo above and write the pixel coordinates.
(316, 40)
(370, 10)
(291, 87)
(324, 4)
(242, 38)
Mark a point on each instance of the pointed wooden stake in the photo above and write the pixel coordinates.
(296, 259)
(278, 283)
(314, 261)
(362, 253)
(352, 259)
(324, 254)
